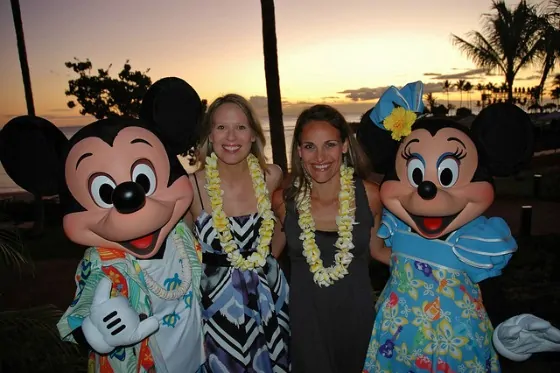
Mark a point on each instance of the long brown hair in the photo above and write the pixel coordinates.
(355, 157)
(257, 147)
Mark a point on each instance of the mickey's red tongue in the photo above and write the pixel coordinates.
(433, 224)
(142, 242)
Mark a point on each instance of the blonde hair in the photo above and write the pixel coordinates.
(257, 147)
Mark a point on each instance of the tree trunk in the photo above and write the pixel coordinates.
(274, 97)
(38, 208)
(509, 85)
(16, 12)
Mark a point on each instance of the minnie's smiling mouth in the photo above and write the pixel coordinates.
(432, 226)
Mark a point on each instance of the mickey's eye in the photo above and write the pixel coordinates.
(143, 174)
(101, 189)
(448, 172)
(416, 172)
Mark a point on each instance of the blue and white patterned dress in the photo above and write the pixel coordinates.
(245, 313)
(430, 316)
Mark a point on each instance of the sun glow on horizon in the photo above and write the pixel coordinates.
(352, 45)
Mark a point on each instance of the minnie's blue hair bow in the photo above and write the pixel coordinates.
(409, 98)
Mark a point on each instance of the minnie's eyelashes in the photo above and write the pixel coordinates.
(458, 154)
(406, 154)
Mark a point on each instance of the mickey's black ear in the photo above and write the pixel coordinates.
(504, 137)
(174, 108)
(31, 153)
(377, 144)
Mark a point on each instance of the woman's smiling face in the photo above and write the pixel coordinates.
(321, 149)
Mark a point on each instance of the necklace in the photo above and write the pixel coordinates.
(220, 220)
(185, 276)
(345, 220)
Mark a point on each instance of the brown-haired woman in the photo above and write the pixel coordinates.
(244, 292)
(329, 218)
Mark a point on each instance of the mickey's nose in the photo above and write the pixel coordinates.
(129, 197)
(427, 190)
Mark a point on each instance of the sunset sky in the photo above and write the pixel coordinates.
(337, 51)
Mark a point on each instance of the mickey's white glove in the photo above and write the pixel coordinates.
(519, 337)
(113, 323)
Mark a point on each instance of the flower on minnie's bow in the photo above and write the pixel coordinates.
(399, 122)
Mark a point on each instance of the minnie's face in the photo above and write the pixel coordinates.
(124, 189)
(434, 193)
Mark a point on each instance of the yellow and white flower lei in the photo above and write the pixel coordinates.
(345, 221)
(220, 220)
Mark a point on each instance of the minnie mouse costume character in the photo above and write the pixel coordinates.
(438, 182)
(124, 195)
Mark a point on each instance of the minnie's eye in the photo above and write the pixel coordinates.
(448, 172)
(415, 171)
(101, 189)
(143, 174)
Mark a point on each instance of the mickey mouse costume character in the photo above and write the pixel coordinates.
(124, 194)
(437, 183)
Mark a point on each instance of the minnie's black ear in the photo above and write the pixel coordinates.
(31, 153)
(504, 137)
(377, 144)
(174, 109)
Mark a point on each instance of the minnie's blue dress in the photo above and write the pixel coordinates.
(430, 316)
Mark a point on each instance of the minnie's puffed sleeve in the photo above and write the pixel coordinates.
(388, 227)
(485, 247)
(88, 275)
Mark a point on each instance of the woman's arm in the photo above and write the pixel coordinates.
(377, 247)
(195, 207)
(279, 209)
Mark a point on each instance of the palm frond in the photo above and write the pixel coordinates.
(478, 50)
(31, 342)
(12, 250)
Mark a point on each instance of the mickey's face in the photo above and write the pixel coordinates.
(434, 193)
(124, 189)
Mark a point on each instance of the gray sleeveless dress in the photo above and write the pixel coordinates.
(330, 326)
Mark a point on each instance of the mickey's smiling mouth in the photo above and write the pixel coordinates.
(432, 226)
(142, 245)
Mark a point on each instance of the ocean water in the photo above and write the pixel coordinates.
(8, 186)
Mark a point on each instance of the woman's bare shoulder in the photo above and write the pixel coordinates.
(274, 175)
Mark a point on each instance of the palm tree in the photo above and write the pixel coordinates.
(556, 81)
(16, 13)
(18, 24)
(482, 89)
(274, 97)
(508, 42)
(549, 51)
(468, 87)
(460, 85)
(446, 88)
(555, 94)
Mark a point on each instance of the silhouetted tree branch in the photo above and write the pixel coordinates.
(103, 96)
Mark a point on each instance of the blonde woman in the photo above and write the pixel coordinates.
(244, 292)
(329, 218)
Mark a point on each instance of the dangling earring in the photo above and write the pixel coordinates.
(345, 159)
(209, 147)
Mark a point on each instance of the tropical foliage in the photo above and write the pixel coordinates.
(510, 40)
(103, 96)
(29, 338)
